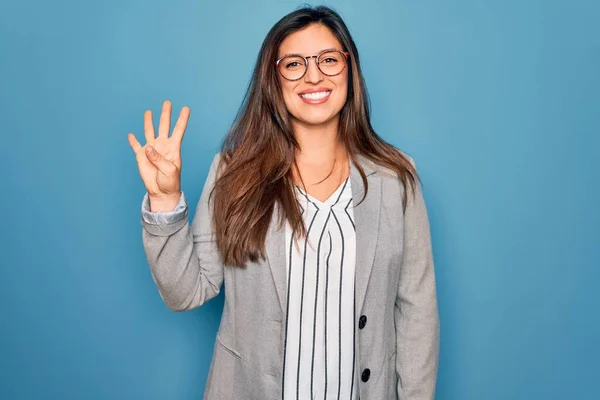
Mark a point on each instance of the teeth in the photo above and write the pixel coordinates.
(315, 95)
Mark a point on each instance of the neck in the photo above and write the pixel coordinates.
(318, 143)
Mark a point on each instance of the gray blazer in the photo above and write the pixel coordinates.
(397, 348)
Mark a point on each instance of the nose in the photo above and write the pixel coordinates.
(313, 73)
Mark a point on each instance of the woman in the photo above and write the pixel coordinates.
(315, 224)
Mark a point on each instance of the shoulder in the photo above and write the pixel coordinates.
(215, 164)
(380, 170)
(216, 158)
(392, 187)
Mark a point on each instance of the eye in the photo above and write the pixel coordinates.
(292, 64)
(329, 60)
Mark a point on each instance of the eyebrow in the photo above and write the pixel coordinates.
(298, 54)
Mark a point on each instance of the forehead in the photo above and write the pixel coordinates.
(308, 41)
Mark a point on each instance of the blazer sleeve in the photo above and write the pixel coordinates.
(184, 260)
(416, 312)
(164, 217)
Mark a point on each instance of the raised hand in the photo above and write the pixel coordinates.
(159, 160)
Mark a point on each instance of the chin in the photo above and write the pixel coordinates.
(315, 120)
(315, 117)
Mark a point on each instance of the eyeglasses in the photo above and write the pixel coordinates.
(330, 62)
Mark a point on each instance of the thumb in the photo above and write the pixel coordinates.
(158, 160)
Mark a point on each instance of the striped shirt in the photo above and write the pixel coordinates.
(319, 360)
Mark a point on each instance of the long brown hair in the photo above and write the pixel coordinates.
(258, 152)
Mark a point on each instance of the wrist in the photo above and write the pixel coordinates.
(164, 203)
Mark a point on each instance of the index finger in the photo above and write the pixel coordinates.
(181, 124)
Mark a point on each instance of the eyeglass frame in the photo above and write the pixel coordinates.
(316, 57)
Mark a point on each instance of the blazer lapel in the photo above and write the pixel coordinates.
(275, 249)
(366, 220)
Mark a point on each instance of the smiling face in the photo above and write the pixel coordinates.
(316, 98)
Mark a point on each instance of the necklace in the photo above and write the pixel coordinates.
(340, 177)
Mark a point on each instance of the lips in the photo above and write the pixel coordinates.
(315, 96)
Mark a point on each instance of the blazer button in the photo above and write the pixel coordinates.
(365, 374)
(362, 321)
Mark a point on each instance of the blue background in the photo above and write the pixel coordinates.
(496, 100)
